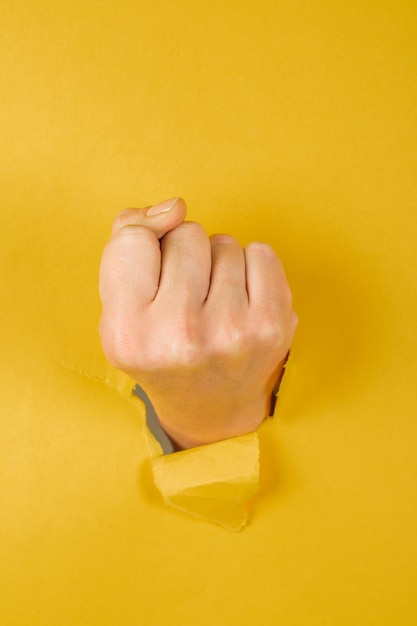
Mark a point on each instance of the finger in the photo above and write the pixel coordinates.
(160, 218)
(129, 270)
(131, 261)
(185, 267)
(130, 267)
(228, 281)
(266, 283)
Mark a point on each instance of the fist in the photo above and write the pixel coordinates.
(203, 325)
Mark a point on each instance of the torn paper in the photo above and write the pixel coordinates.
(213, 481)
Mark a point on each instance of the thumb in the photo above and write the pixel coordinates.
(160, 218)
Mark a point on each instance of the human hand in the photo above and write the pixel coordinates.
(201, 324)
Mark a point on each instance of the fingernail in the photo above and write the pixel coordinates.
(162, 207)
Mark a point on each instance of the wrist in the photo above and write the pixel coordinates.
(192, 420)
(187, 435)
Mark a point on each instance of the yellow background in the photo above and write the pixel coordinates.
(287, 121)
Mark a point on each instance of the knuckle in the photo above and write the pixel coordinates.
(260, 247)
(133, 230)
(182, 342)
(185, 230)
(175, 346)
(229, 337)
(129, 216)
(269, 331)
(181, 354)
(151, 346)
(122, 219)
(222, 238)
(131, 239)
(192, 226)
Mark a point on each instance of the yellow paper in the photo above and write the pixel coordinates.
(287, 122)
(213, 481)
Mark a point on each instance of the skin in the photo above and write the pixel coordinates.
(200, 323)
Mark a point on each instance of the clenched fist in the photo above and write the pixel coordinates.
(201, 324)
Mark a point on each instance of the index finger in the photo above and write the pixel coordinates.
(131, 262)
